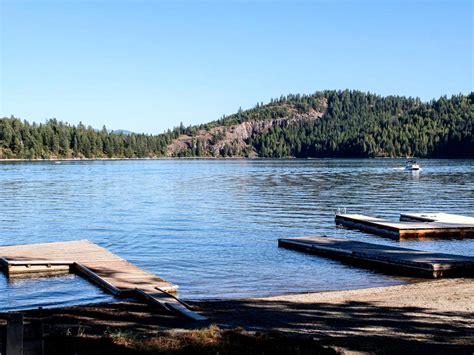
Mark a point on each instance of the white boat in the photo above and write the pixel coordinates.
(412, 165)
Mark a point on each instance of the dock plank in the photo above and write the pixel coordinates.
(402, 260)
(97, 264)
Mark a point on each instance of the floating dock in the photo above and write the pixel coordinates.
(383, 257)
(416, 225)
(96, 264)
(436, 217)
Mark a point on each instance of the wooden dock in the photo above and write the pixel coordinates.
(436, 217)
(107, 270)
(441, 225)
(385, 258)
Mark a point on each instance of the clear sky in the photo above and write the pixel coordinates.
(146, 65)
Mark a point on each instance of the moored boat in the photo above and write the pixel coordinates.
(412, 165)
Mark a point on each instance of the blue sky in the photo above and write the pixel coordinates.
(146, 65)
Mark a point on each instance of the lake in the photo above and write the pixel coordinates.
(211, 227)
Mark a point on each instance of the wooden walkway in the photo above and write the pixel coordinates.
(383, 257)
(97, 264)
(446, 226)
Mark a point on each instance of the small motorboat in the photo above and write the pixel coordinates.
(412, 165)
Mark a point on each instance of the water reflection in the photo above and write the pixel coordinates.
(211, 226)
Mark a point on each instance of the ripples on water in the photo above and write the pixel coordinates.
(212, 226)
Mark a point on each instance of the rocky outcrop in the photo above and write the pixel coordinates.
(217, 140)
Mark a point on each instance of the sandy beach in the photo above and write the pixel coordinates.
(433, 314)
(428, 317)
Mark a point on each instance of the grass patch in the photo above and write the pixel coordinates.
(209, 340)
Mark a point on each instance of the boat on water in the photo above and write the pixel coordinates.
(412, 165)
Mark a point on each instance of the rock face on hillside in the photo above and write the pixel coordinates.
(215, 141)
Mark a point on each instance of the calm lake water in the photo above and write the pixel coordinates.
(212, 226)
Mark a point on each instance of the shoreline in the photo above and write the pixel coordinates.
(212, 159)
(431, 316)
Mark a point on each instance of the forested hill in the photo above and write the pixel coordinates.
(325, 124)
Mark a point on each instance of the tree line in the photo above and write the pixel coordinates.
(352, 124)
(358, 124)
(56, 139)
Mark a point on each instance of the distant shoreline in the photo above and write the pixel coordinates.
(214, 158)
(126, 159)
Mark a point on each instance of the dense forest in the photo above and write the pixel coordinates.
(325, 124)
